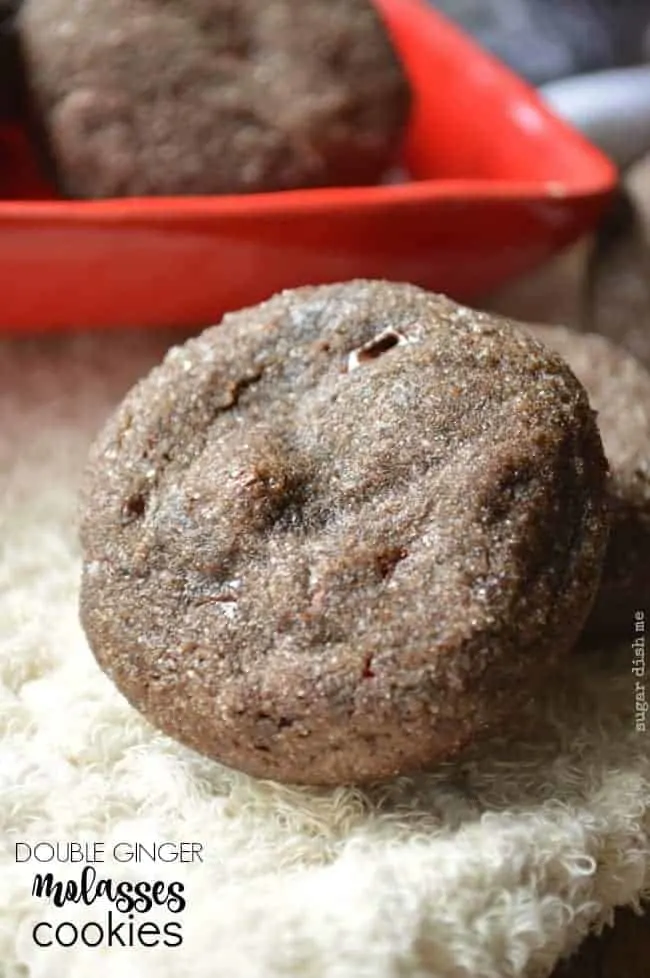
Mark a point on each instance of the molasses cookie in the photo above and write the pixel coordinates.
(343, 533)
(619, 389)
(141, 97)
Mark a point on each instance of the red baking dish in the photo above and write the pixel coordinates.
(496, 184)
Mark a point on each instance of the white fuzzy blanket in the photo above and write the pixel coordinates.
(492, 868)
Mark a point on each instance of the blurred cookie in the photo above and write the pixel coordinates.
(138, 97)
(619, 389)
(617, 287)
(343, 533)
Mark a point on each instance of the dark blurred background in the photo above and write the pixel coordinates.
(548, 39)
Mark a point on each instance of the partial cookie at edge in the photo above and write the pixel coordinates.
(619, 389)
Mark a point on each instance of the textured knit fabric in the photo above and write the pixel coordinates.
(492, 867)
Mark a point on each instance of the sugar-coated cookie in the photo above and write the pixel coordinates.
(343, 533)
